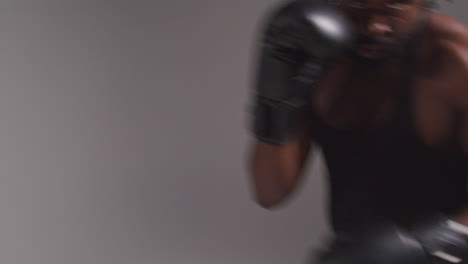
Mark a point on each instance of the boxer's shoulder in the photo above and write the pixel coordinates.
(451, 45)
(451, 40)
(445, 43)
(447, 27)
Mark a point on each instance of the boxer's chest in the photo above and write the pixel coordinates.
(391, 101)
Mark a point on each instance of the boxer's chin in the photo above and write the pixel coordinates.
(373, 55)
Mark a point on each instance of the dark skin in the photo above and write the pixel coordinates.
(347, 94)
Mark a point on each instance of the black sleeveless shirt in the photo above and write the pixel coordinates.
(388, 173)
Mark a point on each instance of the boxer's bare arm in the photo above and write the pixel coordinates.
(456, 69)
(464, 105)
(275, 170)
(455, 41)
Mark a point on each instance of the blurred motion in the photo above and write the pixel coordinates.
(386, 100)
(122, 133)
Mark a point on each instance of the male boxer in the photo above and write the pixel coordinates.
(381, 86)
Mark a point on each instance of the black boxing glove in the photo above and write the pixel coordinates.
(439, 240)
(298, 39)
(443, 239)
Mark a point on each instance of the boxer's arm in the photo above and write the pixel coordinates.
(463, 215)
(295, 44)
(275, 170)
(459, 62)
(452, 36)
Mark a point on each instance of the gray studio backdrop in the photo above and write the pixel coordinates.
(123, 137)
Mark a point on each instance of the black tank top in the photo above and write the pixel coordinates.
(388, 173)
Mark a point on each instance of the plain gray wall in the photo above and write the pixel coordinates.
(123, 137)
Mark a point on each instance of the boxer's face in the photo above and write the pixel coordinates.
(381, 25)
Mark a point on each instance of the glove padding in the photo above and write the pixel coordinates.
(443, 239)
(438, 240)
(298, 39)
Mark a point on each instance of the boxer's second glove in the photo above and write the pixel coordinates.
(443, 239)
(437, 241)
(298, 38)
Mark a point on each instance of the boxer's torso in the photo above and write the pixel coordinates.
(391, 137)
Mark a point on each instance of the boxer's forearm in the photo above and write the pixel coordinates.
(275, 169)
(274, 172)
(266, 174)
